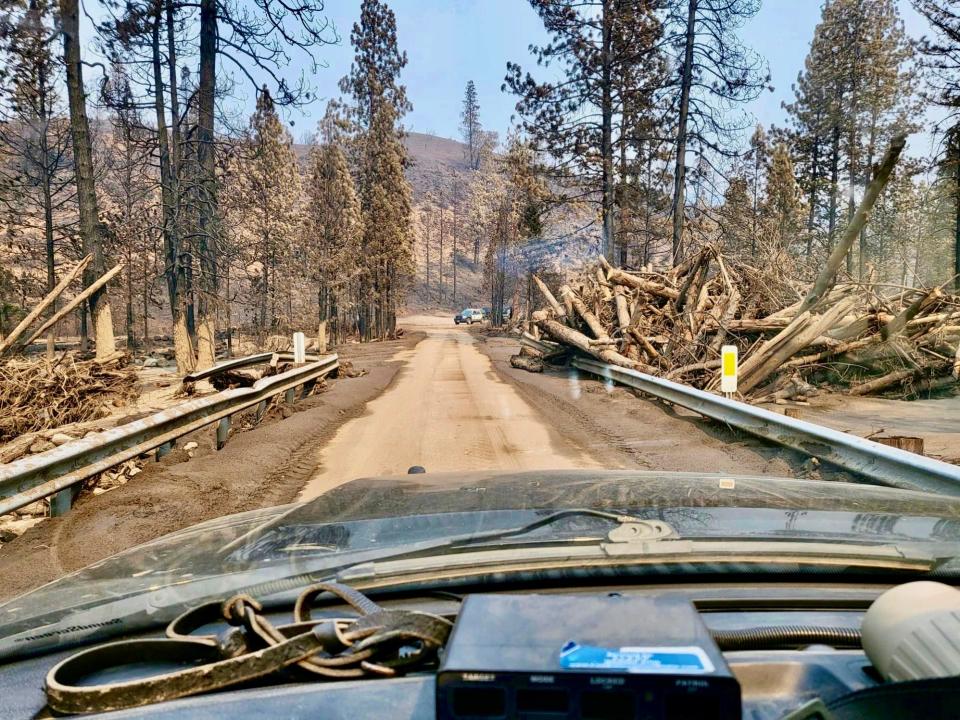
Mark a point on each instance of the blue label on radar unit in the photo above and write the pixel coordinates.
(684, 660)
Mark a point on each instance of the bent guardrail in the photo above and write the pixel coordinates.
(264, 358)
(884, 464)
(56, 471)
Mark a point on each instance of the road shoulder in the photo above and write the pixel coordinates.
(265, 466)
(628, 431)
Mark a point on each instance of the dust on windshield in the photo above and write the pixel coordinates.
(251, 254)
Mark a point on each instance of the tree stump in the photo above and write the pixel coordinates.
(903, 442)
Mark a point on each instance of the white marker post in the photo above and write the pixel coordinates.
(299, 348)
(728, 369)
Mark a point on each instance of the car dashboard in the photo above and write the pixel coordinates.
(773, 683)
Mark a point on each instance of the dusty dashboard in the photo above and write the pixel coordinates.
(498, 663)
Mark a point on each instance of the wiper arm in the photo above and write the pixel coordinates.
(628, 527)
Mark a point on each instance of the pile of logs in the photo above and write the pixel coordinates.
(861, 337)
(44, 394)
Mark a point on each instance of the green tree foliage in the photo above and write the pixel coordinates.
(380, 157)
(855, 93)
(333, 229)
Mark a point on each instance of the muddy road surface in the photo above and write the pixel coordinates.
(447, 410)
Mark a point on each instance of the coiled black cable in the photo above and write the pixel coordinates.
(786, 636)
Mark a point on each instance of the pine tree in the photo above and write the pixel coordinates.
(611, 60)
(735, 215)
(386, 202)
(35, 159)
(470, 127)
(380, 157)
(854, 94)
(128, 198)
(713, 71)
(781, 214)
(91, 228)
(759, 160)
(941, 58)
(273, 195)
(333, 229)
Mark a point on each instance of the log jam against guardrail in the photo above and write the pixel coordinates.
(859, 337)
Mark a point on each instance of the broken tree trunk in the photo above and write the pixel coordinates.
(822, 284)
(596, 327)
(557, 308)
(51, 297)
(70, 306)
(775, 358)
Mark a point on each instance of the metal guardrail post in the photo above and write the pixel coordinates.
(165, 449)
(883, 464)
(289, 396)
(261, 409)
(223, 432)
(61, 502)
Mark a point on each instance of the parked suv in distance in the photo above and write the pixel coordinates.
(469, 315)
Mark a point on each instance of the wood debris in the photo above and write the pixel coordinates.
(858, 337)
(43, 394)
(792, 337)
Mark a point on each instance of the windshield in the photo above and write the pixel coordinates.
(414, 294)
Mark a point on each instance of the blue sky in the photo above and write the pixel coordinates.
(451, 41)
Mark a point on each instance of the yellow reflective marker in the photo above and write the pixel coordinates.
(728, 369)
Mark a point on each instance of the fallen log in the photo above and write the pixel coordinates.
(885, 381)
(569, 336)
(530, 364)
(621, 277)
(70, 306)
(51, 297)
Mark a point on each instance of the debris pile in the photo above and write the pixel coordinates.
(42, 394)
(861, 337)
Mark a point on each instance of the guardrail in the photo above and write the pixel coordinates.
(884, 464)
(264, 358)
(544, 346)
(56, 471)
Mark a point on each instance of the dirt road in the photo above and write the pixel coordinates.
(447, 410)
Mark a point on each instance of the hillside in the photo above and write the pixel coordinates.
(436, 173)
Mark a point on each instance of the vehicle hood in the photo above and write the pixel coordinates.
(359, 520)
(612, 490)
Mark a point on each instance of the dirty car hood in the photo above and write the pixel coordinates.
(156, 580)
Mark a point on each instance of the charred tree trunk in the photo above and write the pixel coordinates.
(207, 243)
(606, 141)
(680, 169)
(174, 271)
(91, 229)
